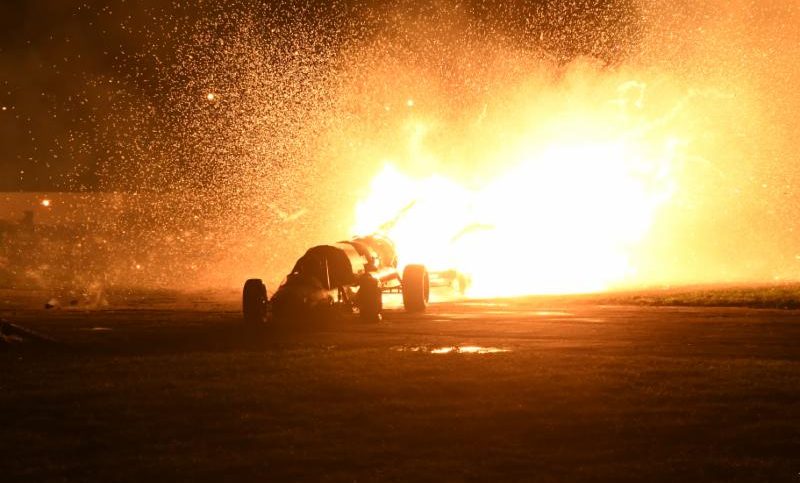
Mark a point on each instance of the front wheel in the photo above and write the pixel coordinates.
(416, 288)
(254, 301)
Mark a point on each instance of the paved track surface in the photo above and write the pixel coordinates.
(527, 390)
(513, 325)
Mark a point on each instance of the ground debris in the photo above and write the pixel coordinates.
(13, 333)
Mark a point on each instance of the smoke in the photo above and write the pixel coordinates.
(250, 131)
(732, 218)
(710, 86)
(271, 120)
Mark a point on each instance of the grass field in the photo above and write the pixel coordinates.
(772, 296)
(583, 393)
(784, 296)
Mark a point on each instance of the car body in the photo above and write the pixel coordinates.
(349, 276)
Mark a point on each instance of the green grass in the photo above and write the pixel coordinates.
(783, 296)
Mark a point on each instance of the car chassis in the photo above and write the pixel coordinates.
(345, 277)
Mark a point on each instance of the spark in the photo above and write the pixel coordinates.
(534, 171)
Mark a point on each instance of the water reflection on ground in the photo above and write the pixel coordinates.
(456, 349)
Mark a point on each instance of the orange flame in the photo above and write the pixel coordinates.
(563, 214)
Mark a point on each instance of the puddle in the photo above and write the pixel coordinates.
(456, 349)
(468, 349)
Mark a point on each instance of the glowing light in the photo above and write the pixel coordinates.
(46, 203)
(211, 96)
(562, 214)
(410, 103)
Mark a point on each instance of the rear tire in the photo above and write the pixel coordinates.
(416, 288)
(254, 301)
(370, 299)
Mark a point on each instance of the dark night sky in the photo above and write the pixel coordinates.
(62, 61)
(50, 51)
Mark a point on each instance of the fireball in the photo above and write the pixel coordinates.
(564, 212)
